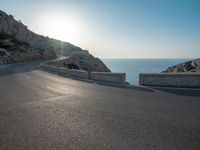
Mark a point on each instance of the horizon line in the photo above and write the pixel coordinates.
(147, 58)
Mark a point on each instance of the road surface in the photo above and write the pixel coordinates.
(40, 110)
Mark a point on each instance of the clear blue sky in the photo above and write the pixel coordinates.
(116, 28)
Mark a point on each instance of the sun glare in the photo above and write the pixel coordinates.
(64, 28)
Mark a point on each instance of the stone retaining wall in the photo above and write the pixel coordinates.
(109, 77)
(170, 79)
(70, 72)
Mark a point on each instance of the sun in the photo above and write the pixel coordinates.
(64, 28)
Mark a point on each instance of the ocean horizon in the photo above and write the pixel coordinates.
(134, 66)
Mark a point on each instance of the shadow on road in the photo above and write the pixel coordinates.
(18, 68)
(133, 87)
(181, 92)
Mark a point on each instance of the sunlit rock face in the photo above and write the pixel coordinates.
(189, 66)
(22, 44)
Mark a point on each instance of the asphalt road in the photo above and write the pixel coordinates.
(44, 111)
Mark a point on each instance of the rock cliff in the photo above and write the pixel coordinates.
(19, 44)
(14, 51)
(189, 66)
(81, 62)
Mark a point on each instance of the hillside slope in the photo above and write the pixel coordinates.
(19, 44)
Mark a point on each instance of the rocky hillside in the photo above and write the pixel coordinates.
(189, 66)
(14, 51)
(19, 44)
(81, 62)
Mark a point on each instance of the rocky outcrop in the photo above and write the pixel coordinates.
(22, 44)
(14, 51)
(189, 66)
(82, 62)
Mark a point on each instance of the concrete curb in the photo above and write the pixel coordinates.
(184, 80)
(114, 78)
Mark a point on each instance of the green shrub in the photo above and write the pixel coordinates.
(72, 66)
(5, 36)
(188, 66)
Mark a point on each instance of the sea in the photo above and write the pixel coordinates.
(134, 66)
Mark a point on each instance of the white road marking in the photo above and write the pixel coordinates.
(26, 76)
(56, 90)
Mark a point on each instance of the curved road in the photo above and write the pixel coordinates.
(40, 110)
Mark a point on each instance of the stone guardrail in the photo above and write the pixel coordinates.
(170, 79)
(70, 72)
(109, 77)
(96, 76)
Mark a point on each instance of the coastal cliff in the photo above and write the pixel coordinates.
(19, 44)
(189, 66)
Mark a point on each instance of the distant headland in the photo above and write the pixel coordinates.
(189, 66)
